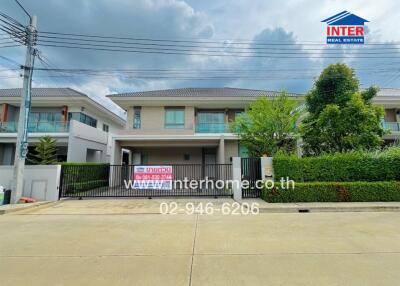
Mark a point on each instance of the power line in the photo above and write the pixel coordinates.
(213, 55)
(238, 42)
(22, 7)
(66, 40)
(10, 60)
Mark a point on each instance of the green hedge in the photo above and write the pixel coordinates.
(335, 192)
(355, 166)
(84, 176)
(73, 188)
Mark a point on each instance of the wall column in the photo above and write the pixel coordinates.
(116, 153)
(267, 171)
(237, 178)
(3, 112)
(221, 151)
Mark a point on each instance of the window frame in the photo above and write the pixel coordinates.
(180, 125)
(137, 120)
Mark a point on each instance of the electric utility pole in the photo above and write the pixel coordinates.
(21, 148)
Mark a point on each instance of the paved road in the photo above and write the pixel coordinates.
(125, 242)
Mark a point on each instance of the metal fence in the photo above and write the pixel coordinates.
(115, 181)
(251, 171)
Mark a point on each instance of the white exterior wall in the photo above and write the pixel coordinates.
(96, 115)
(40, 182)
(83, 138)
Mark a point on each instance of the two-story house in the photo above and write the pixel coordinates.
(190, 125)
(181, 126)
(80, 125)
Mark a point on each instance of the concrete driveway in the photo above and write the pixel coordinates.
(126, 242)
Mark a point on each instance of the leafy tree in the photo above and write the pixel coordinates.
(340, 117)
(268, 125)
(45, 152)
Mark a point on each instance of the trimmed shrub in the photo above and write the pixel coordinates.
(353, 166)
(79, 177)
(335, 192)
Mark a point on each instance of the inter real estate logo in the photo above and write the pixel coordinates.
(345, 28)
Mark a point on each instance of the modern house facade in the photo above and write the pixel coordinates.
(80, 125)
(191, 125)
(181, 126)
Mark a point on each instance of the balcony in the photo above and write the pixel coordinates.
(36, 127)
(8, 127)
(391, 126)
(212, 128)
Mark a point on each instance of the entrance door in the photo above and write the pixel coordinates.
(210, 160)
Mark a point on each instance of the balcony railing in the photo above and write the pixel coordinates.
(36, 127)
(8, 127)
(392, 126)
(212, 128)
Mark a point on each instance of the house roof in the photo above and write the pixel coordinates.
(43, 92)
(345, 18)
(389, 92)
(64, 92)
(203, 92)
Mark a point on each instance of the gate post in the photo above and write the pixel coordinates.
(267, 171)
(237, 178)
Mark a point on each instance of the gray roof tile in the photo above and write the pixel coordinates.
(43, 92)
(203, 92)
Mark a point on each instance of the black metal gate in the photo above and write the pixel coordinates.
(117, 181)
(251, 171)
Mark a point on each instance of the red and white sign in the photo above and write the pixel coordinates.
(152, 177)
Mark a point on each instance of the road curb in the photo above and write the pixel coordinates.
(6, 209)
(319, 209)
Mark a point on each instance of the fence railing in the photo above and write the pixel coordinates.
(392, 126)
(115, 181)
(212, 127)
(251, 172)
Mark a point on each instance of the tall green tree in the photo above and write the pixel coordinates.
(268, 125)
(45, 152)
(340, 117)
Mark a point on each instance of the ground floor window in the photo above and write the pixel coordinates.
(243, 151)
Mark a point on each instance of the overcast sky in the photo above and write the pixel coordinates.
(259, 20)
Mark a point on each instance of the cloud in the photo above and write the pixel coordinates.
(264, 21)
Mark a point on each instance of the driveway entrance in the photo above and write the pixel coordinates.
(170, 180)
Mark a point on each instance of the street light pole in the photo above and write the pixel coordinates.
(21, 148)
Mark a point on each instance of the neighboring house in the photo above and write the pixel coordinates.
(390, 99)
(191, 125)
(80, 125)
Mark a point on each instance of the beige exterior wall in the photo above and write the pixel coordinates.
(231, 150)
(153, 122)
(171, 155)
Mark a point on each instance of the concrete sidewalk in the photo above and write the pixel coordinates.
(113, 242)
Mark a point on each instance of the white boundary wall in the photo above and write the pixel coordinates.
(41, 182)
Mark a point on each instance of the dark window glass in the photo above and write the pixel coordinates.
(175, 118)
(136, 118)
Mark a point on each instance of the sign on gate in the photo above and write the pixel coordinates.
(152, 177)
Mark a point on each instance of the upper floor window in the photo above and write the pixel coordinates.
(175, 118)
(105, 127)
(137, 122)
(211, 122)
(81, 117)
(44, 116)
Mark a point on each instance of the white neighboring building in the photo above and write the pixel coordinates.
(80, 125)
